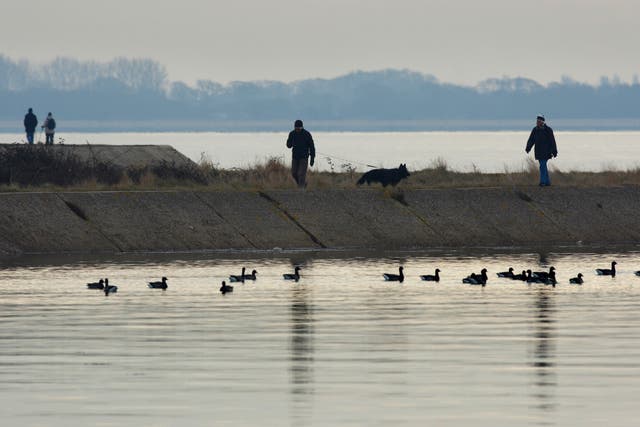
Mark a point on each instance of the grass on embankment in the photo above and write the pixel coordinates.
(33, 168)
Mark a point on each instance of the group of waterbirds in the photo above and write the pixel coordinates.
(237, 278)
(529, 276)
(103, 284)
(242, 277)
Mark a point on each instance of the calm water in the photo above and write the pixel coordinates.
(341, 347)
(486, 151)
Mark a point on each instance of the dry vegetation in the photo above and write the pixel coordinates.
(33, 169)
(274, 174)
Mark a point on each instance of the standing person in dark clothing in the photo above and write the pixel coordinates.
(301, 142)
(49, 127)
(545, 148)
(30, 124)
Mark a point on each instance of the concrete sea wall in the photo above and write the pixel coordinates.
(92, 222)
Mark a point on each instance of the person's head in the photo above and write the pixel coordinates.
(30, 110)
(540, 120)
(298, 125)
(49, 115)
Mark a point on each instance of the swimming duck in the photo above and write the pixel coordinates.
(522, 276)
(96, 285)
(531, 278)
(577, 280)
(606, 271)
(109, 289)
(295, 276)
(550, 279)
(237, 278)
(431, 277)
(251, 276)
(543, 274)
(394, 277)
(508, 274)
(159, 285)
(477, 279)
(225, 288)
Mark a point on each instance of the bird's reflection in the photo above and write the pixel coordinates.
(301, 354)
(543, 257)
(544, 352)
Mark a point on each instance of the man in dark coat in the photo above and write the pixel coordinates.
(545, 148)
(301, 143)
(30, 124)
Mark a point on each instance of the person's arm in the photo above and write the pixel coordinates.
(290, 140)
(530, 142)
(554, 147)
(312, 150)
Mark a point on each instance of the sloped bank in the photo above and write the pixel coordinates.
(93, 222)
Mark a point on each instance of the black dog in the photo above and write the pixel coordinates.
(385, 176)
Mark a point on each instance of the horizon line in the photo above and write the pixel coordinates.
(564, 79)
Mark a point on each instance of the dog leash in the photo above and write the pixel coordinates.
(329, 156)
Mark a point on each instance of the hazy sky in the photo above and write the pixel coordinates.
(460, 41)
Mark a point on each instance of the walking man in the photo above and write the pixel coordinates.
(30, 123)
(545, 148)
(49, 127)
(301, 143)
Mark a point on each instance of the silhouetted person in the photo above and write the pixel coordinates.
(30, 124)
(301, 142)
(545, 148)
(49, 127)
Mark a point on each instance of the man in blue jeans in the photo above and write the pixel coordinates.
(545, 148)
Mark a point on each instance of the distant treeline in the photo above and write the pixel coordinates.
(139, 90)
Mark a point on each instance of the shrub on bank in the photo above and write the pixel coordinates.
(40, 165)
(35, 165)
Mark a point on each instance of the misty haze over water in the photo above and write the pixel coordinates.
(136, 95)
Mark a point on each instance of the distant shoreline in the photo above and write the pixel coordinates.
(171, 125)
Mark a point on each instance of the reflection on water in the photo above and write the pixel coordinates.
(301, 353)
(544, 351)
(341, 347)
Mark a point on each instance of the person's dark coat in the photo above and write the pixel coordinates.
(30, 122)
(544, 141)
(302, 144)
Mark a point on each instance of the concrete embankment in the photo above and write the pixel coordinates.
(359, 218)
